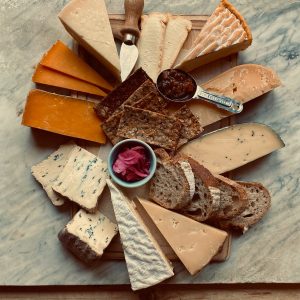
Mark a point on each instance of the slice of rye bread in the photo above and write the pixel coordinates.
(207, 194)
(233, 199)
(119, 95)
(259, 202)
(169, 186)
(150, 127)
(191, 126)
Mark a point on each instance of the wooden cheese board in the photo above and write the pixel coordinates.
(114, 251)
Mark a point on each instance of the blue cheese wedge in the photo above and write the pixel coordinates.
(83, 179)
(146, 263)
(47, 171)
(87, 235)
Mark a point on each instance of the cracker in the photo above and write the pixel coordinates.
(110, 127)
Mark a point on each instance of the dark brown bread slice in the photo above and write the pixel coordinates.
(79, 248)
(119, 95)
(207, 193)
(153, 102)
(191, 127)
(233, 199)
(150, 127)
(110, 127)
(169, 186)
(259, 202)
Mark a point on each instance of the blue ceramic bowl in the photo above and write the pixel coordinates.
(114, 154)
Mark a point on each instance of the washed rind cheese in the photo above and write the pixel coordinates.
(88, 235)
(231, 147)
(119, 95)
(47, 76)
(242, 83)
(146, 263)
(63, 115)
(47, 171)
(194, 243)
(87, 22)
(83, 179)
(62, 59)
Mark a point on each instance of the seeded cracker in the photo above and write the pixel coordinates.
(153, 102)
(83, 179)
(151, 127)
(110, 127)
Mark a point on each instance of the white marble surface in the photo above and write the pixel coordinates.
(30, 253)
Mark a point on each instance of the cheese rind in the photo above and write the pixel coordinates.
(88, 22)
(88, 235)
(231, 147)
(60, 58)
(242, 83)
(194, 243)
(146, 263)
(47, 171)
(44, 75)
(83, 179)
(63, 115)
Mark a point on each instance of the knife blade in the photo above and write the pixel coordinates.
(130, 31)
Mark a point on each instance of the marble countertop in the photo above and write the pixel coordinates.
(30, 253)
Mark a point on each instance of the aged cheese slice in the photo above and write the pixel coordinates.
(146, 263)
(87, 21)
(60, 58)
(224, 33)
(243, 83)
(176, 33)
(232, 147)
(151, 43)
(44, 75)
(87, 235)
(47, 171)
(83, 179)
(64, 115)
(194, 243)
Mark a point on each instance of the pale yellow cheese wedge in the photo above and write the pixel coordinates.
(242, 83)
(231, 147)
(194, 243)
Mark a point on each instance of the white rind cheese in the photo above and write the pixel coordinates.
(194, 243)
(47, 171)
(95, 230)
(231, 147)
(146, 263)
(83, 179)
(88, 22)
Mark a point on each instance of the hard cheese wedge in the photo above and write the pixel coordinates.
(47, 171)
(60, 58)
(146, 263)
(87, 235)
(64, 115)
(224, 33)
(44, 75)
(231, 147)
(194, 243)
(242, 83)
(87, 21)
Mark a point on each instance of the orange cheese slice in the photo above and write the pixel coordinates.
(51, 77)
(62, 59)
(64, 115)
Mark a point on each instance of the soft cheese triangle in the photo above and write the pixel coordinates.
(146, 263)
(234, 146)
(194, 243)
(88, 22)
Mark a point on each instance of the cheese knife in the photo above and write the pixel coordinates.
(129, 52)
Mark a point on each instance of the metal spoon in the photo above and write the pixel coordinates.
(198, 92)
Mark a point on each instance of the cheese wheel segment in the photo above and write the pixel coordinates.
(231, 147)
(63, 115)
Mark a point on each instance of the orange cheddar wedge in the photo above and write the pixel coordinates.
(64, 60)
(64, 115)
(44, 75)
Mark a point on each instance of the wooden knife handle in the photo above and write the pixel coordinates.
(133, 12)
